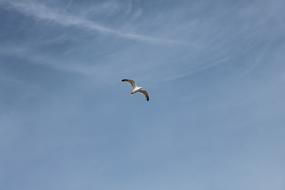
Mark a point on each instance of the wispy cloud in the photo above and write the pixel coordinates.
(42, 12)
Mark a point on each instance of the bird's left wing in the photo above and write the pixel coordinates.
(132, 82)
(145, 93)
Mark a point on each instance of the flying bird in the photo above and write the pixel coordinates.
(136, 88)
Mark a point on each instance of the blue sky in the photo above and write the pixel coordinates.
(214, 69)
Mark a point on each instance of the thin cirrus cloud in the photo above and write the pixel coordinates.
(43, 12)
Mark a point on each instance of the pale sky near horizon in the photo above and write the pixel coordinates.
(215, 72)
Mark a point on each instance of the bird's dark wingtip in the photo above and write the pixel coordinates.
(123, 80)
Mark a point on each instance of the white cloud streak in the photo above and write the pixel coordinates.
(43, 12)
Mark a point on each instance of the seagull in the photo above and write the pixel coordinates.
(137, 88)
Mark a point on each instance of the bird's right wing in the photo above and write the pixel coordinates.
(132, 82)
(145, 93)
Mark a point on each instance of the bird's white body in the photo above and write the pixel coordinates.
(136, 89)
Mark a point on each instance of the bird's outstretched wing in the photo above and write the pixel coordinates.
(132, 82)
(145, 93)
